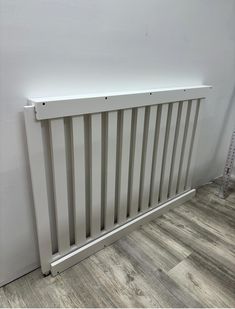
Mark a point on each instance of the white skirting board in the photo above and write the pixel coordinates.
(82, 253)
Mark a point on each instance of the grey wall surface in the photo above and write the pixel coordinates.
(69, 47)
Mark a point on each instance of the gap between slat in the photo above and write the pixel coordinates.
(175, 146)
(68, 153)
(132, 154)
(118, 163)
(183, 145)
(169, 115)
(104, 145)
(49, 183)
(87, 171)
(192, 143)
(145, 137)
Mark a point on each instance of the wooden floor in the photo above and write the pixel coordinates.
(185, 258)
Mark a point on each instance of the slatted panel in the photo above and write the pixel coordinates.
(95, 175)
(148, 156)
(178, 148)
(60, 183)
(192, 107)
(79, 178)
(159, 145)
(168, 150)
(138, 132)
(111, 136)
(108, 168)
(125, 140)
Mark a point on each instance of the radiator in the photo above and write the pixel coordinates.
(103, 165)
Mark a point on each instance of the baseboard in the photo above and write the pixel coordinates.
(83, 252)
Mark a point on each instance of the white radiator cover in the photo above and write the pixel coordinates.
(102, 165)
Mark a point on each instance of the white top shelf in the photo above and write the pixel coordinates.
(56, 107)
(119, 93)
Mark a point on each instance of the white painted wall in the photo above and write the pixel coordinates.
(69, 47)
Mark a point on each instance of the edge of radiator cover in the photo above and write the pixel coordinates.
(107, 239)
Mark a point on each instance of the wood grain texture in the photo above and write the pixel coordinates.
(193, 274)
(184, 258)
(3, 299)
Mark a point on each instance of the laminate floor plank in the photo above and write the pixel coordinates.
(198, 239)
(144, 266)
(4, 303)
(208, 220)
(38, 291)
(103, 284)
(134, 289)
(164, 239)
(89, 286)
(224, 212)
(14, 296)
(178, 291)
(159, 255)
(196, 279)
(209, 196)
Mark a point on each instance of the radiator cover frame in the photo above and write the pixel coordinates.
(43, 109)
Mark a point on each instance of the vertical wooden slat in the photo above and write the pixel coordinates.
(147, 164)
(49, 181)
(193, 147)
(39, 186)
(95, 175)
(110, 169)
(79, 179)
(158, 155)
(187, 143)
(178, 149)
(60, 183)
(136, 161)
(168, 150)
(124, 165)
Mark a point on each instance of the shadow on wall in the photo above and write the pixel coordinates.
(226, 130)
